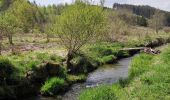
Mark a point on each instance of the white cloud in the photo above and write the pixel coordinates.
(161, 4)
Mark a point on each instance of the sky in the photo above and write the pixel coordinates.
(161, 4)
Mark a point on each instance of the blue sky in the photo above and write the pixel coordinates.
(161, 4)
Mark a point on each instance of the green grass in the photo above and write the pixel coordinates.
(24, 62)
(99, 93)
(52, 86)
(103, 52)
(149, 79)
(140, 64)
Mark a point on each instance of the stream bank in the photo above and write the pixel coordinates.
(109, 55)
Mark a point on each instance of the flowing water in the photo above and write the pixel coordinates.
(106, 74)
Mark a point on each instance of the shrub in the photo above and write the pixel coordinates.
(99, 93)
(52, 86)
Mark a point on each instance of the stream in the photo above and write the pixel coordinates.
(106, 74)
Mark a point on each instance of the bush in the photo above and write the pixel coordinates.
(6, 68)
(52, 86)
(99, 93)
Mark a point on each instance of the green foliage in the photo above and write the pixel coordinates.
(78, 24)
(99, 93)
(25, 12)
(52, 86)
(8, 23)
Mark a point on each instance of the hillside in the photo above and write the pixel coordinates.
(145, 11)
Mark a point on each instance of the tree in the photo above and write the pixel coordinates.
(116, 27)
(4, 4)
(142, 21)
(1, 38)
(8, 25)
(157, 21)
(25, 12)
(102, 2)
(77, 25)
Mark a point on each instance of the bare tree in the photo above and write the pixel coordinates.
(157, 21)
(1, 38)
(116, 27)
(102, 2)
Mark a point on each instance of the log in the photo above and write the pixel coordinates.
(129, 49)
(147, 50)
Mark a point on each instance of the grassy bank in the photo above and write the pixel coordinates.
(148, 80)
(40, 68)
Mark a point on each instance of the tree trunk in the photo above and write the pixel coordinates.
(157, 31)
(69, 58)
(48, 38)
(0, 48)
(10, 39)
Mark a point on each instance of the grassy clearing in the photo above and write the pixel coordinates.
(149, 79)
